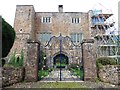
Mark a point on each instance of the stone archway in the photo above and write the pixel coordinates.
(64, 60)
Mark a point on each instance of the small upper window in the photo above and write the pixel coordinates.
(76, 20)
(46, 19)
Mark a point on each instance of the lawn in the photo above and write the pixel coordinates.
(62, 85)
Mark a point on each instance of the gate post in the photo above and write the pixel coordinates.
(89, 60)
(31, 63)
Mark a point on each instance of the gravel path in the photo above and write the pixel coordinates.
(66, 75)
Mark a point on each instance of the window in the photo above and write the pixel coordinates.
(76, 37)
(76, 20)
(46, 19)
(45, 36)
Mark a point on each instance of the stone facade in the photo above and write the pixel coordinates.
(12, 75)
(29, 25)
(110, 74)
(68, 48)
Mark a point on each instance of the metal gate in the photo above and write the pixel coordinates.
(51, 70)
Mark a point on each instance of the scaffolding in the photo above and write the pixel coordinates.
(106, 36)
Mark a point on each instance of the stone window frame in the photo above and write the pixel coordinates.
(44, 35)
(76, 37)
(46, 20)
(76, 20)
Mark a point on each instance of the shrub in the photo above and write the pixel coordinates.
(17, 61)
(8, 37)
(12, 58)
(105, 61)
(42, 73)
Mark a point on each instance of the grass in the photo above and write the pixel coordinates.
(62, 85)
(62, 64)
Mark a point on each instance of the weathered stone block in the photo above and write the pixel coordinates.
(110, 74)
(31, 63)
(89, 62)
(12, 75)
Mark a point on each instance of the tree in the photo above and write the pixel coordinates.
(8, 37)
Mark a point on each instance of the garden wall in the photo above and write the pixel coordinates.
(110, 74)
(12, 75)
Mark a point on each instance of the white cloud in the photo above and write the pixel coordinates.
(8, 7)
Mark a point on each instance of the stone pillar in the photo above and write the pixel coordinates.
(89, 61)
(31, 63)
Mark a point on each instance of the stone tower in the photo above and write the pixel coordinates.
(24, 27)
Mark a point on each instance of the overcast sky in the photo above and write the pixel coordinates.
(8, 7)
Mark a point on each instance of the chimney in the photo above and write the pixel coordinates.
(60, 8)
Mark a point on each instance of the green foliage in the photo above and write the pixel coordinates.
(97, 80)
(99, 65)
(42, 62)
(42, 55)
(42, 73)
(17, 61)
(50, 69)
(13, 59)
(21, 59)
(62, 65)
(105, 61)
(8, 37)
(78, 71)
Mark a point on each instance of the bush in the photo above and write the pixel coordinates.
(105, 61)
(8, 37)
(17, 61)
(42, 73)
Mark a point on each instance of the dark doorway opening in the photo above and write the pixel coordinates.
(63, 58)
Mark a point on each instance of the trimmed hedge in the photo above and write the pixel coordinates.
(8, 37)
(105, 61)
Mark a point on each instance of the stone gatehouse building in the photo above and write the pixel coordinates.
(48, 28)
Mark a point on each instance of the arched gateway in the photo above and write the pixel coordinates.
(60, 59)
(65, 49)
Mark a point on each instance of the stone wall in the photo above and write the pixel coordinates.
(89, 61)
(12, 75)
(31, 62)
(110, 74)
